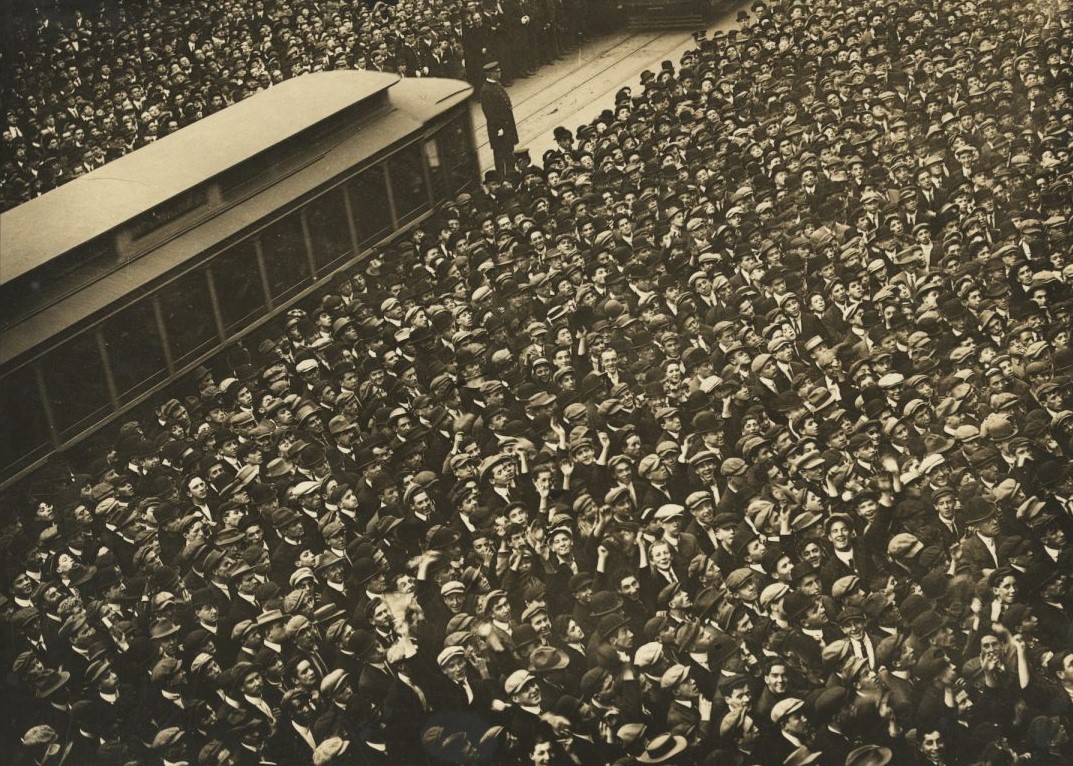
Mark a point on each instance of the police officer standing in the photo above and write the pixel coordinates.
(499, 116)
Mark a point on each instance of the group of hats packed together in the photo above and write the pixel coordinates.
(88, 82)
(738, 431)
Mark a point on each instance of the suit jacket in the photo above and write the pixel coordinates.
(342, 599)
(624, 376)
(652, 582)
(931, 199)
(241, 609)
(560, 599)
(496, 502)
(449, 696)
(288, 746)
(765, 703)
(833, 568)
(833, 745)
(684, 551)
(1055, 625)
(940, 534)
(527, 727)
(976, 554)
(107, 717)
(811, 325)
(373, 685)
(705, 544)
(333, 722)
(404, 718)
(814, 198)
(162, 712)
(652, 497)
(683, 718)
(902, 697)
(773, 747)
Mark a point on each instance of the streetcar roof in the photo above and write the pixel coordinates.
(95, 203)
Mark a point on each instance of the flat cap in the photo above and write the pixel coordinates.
(739, 578)
(785, 707)
(517, 680)
(673, 676)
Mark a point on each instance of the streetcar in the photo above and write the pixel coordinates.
(125, 279)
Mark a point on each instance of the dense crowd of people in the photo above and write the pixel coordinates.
(82, 87)
(735, 431)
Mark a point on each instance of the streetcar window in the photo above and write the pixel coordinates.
(238, 286)
(329, 229)
(369, 203)
(188, 319)
(457, 154)
(77, 389)
(22, 418)
(286, 260)
(135, 350)
(408, 182)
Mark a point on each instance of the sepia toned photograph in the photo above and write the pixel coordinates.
(536, 383)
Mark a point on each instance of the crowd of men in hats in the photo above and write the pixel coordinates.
(88, 82)
(738, 431)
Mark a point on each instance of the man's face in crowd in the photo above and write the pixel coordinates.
(796, 724)
(622, 639)
(932, 745)
(630, 588)
(529, 695)
(199, 489)
(840, 535)
(455, 669)
(815, 616)
(776, 679)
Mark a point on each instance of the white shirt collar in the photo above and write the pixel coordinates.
(846, 557)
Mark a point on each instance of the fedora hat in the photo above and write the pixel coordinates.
(545, 658)
(869, 755)
(51, 682)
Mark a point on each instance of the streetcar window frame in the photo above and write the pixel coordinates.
(285, 257)
(76, 376)
(138, 381)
